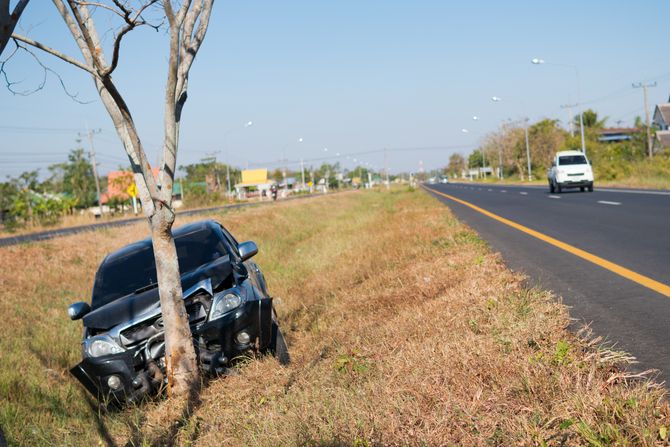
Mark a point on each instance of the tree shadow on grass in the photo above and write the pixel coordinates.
(168, 435)
(96, 410)
(57, 405)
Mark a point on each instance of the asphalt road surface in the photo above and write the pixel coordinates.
(607, 253)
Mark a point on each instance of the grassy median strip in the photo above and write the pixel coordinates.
(403, 326)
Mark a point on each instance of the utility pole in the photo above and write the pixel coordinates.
(302, 171)
(530, 177)
(228, 178)
(500, 160)
(386, 169)
(569, 108)
(212, 157)
(644, 88)
(91, 153)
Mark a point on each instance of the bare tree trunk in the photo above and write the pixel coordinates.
(180, 357)
(9, 20)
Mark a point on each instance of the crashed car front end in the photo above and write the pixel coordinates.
(128, 361)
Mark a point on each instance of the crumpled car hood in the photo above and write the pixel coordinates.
(130, 306)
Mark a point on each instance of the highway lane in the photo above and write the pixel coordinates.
(629, 228)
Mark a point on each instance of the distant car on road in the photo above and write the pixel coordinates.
(444, 179)
(229, 309)
(432, 180)
(570, 169)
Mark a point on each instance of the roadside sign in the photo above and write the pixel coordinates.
(132, 190)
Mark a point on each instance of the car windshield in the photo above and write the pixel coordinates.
(135, 269)
(572, 160)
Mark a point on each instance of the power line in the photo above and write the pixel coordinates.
(22, 129)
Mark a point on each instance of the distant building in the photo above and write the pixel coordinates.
(255, 182)
(617, 134)
(662, 122)
(118, 183)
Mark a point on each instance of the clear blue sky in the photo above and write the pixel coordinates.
(351, 76)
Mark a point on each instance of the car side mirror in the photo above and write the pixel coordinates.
(247, 250)
(77, 310)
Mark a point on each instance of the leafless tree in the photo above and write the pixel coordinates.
(187, 22)
(8, 20)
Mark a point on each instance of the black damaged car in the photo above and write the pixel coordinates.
(230, 313)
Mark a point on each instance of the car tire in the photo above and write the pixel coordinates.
(551, 187)
(582, 188)
(591, 188)
(559, 188)
(278, 346)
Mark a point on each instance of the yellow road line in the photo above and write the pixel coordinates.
(645, 281)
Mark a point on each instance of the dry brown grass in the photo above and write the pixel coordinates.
(404, 330)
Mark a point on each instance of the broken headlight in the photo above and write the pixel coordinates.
(101, 345)
(223, 303)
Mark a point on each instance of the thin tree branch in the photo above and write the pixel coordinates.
(100, 5)
(54, 52)
(117, 48)
(131, 23)
(46, 70)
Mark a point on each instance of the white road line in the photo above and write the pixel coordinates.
(489, 189)
(605, 202)
(504, 190)
(632, 191)
(523, 193)
(604, 189)
(554, 197)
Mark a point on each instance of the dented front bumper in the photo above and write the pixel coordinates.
(127, 376)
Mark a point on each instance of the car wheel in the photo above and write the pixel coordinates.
(559, 188)
(278, 346)
(551, 187)
(591, 188)
(582, 188)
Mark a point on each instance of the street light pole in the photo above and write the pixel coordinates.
(386, 169)
(538, 61)
(225, 144)
(569, 108)
(530, 177)
(285, 161)
(94, 163)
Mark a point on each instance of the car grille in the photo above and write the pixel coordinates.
(148, 328)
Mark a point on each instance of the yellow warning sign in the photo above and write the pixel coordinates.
(132, 190)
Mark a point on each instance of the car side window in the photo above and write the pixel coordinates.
(230, 239)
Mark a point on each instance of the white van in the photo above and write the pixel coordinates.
(570, 169)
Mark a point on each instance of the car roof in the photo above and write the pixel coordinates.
(569, 153)
(176, 233)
